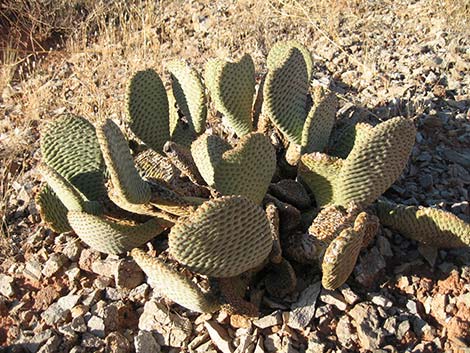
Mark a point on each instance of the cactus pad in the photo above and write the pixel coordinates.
(321, 172)
(52, 210)
(244, 170)
(175, 285)
(223, 238)
(70, 147)
(109, 236)
(148, 110)
(189, 94)
(126, 181)
(377, 159)
(428, 225)
(319, 122)
(285, 94)
(152, 165)
(232, 88)
(279, 49)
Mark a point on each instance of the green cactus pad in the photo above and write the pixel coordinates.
(181, 130)
(244, 170)
(278, 50)
(377, 159)
(175, 285)
(342, 139)
(321, 172)
(148, 110)
(428, 225)
(126, 181)
(207, 153)
(70, 147)
(232, 88)
(223, 238)
(340, 258)
(70, 197)
(52, 211)
(285, 94)
(319, 122)
(109, 236)
(188, 91)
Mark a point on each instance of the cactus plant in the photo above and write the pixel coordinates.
(217, 228)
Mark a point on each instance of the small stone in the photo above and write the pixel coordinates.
(384, 246)
(54, 314)
(390, 325)
(139, 293)
(68, 332)
(315, 346)
(51, 345)
(239, 321)
(79, 310)
(91, 341)
(6, 285)
(72, 250)
(53, 264)
(303, 310)
(349, 295)
(69, 301)
(403, 328)
(106, 267)
(412, 307)
(273, 343)
(32, 341)
(426, 181)
(145, 342)
(334, 298)
(78, 324)
(429, 253)
(33, 270)
(87, 258)
(367, 323)
(128, 274)
(369, 266)
(116, 342)
(345, 332)
(73, 273)
(96, 326)
(247, 344)
(169, 329)
(116, 294)
(269, 320)
(382, 301)
(219, 336)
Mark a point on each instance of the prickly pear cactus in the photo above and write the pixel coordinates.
(212, 196)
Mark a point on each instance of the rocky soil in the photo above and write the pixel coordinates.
(56, 295)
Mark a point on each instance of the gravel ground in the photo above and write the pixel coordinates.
(56, 295)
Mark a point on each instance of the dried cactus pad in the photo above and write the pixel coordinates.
(109, 236)
(174, 285)
(232, 88)
(223, 238)
(340, 258)
(280, 48)
(125, 179)
(148, 110)
(377, 159)
(319, 122)
(285, 94)
(189, 93)
(428, 225)
(70, 147)
(52, 210)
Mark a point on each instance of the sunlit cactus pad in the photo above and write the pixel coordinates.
(175, 285)
(232, 88)
(112, 236)
(223, 238)
(148, 110)
(428, 225)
